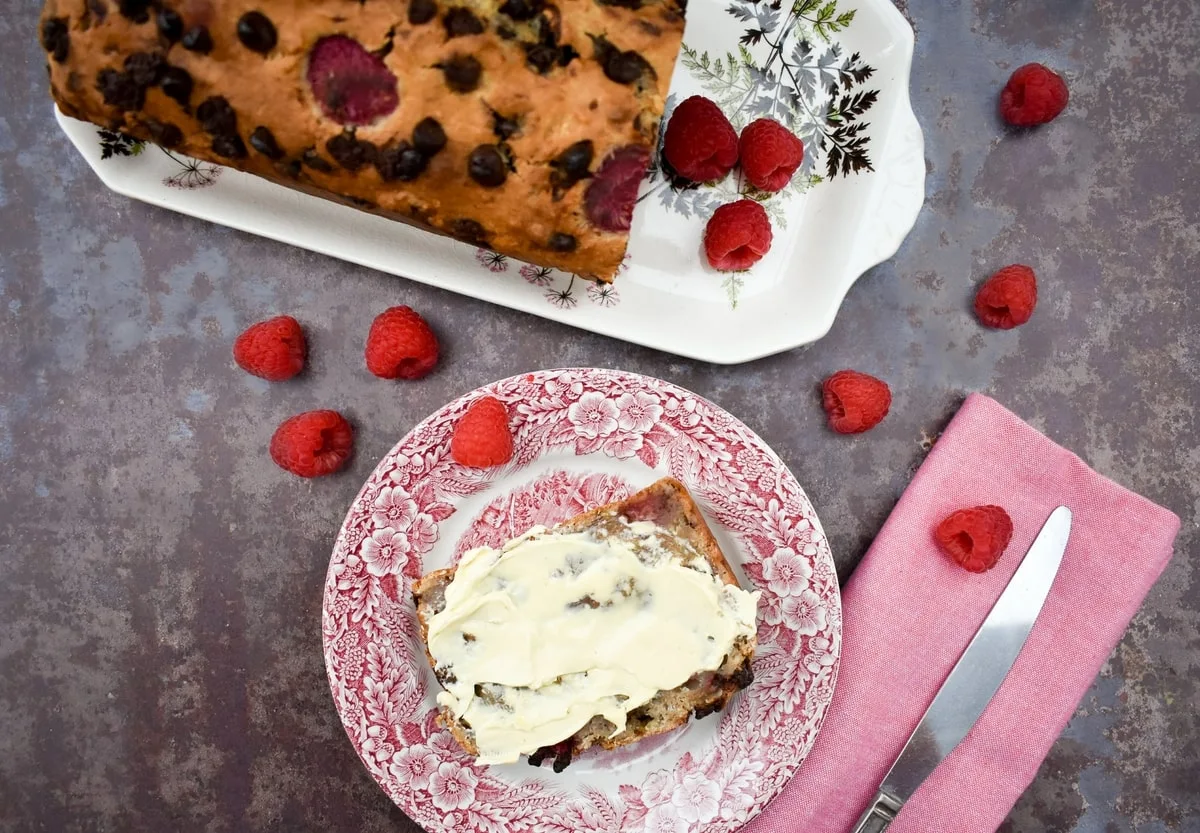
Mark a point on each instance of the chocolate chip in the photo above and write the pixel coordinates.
(170, 25)
(566, 54)
(469, 231)
(165, 134)
(743, 677)
(290, 168)
(216, 116)
(461, 72)
(626, 67)
(403, 162)
(350, 152)
(95, 8)
(313, 160)
(429, 137)
(421, 11)
(256, 32)
(136, 10)
(521, 9)
(177, 84)
(197, 39)
(560, 242)
(120, 90)
(487, 167)
(570, 166)
(461, 21)
(55, 38)
(263, 140)
(145, 68)
(229, 146)
(503, 126)
(505, 32)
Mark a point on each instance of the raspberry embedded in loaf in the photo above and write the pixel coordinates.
(543, 115)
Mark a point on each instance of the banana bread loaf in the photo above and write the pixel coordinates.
(521, 125)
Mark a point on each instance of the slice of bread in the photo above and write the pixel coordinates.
(668, 505)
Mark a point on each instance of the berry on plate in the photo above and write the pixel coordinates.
(770, 154)
(313, 444)
(273, 349)
(1007, 298)
(976, 537)
(482, 437)
(737, 236)
(1034, 95)
(855, 402)
(700, 143)
(400, 345)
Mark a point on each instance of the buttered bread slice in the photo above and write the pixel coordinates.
(610, 627)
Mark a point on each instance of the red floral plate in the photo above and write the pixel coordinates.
(583, 437)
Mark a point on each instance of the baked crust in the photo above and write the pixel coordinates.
(529, 116)
(667, 504)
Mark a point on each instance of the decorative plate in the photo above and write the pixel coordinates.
(583, 438)
(835, 71)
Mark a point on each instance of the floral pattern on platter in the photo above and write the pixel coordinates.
(396, 530)
(562, 289)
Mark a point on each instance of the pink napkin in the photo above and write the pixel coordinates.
(910, 612)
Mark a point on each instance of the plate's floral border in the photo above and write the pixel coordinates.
(383, 688)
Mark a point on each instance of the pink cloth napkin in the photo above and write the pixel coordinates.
(909, 613)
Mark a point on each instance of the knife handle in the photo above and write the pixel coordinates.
(879, 815)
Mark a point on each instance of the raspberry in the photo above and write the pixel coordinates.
(273, 349)
(1033, 95)
(770, 154)
(612, 192)
(975, 537)
(737, 236)
(353, 86)
(855, 402)
(313, 444)
(401, 345)
(1007, 298)
(700, 144)
(482, 437)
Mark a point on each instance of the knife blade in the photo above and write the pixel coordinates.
(977, 675)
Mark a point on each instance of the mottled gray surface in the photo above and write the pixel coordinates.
(160, 663)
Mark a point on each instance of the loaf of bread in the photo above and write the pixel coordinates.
(684, 534)
(521, 125)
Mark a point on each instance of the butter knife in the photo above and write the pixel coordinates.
(976, 676)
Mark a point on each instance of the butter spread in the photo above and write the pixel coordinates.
(539, 637)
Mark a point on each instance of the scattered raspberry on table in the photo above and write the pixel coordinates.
(737, 236)
(855, 402)
(700, 143)
(482, 438)
(1034, 94)
(770, 154)
(1007, 299)
(274, 349)
(975, 538)
(313, 444)
(401, 345)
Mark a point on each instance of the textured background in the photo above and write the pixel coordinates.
(160, 664)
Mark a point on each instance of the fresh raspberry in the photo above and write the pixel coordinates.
(313, 444)
(1007, 298)
(400, 345)
(976, 537)
(737, 236)
(482, 437)
(855, 402)
(1033, 95)
(612, 192)
(770, 154)
(273, 349)
(700, 144)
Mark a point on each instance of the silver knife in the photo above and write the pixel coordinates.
(976, 676)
